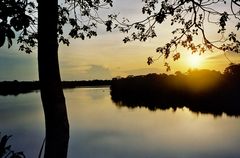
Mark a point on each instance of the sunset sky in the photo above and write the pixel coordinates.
(106, 56)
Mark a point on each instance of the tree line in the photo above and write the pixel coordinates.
(16, 87)
(205, 91)
(30, 22)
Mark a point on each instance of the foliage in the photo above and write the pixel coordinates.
(19, 17)
(233, 70)
(82, 16)
(5, 150)
(189, 20)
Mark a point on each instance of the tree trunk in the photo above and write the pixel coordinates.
(53, 101)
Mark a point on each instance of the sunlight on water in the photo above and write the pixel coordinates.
(100, 129)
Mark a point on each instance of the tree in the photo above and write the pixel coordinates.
(233, 70)
(189, 17)
(189, 20)
(42, 26)
(56, 121)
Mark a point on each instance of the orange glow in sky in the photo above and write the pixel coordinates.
(106, 56)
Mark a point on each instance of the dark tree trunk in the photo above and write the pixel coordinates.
(53, 101)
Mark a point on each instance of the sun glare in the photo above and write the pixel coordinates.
(195, 60)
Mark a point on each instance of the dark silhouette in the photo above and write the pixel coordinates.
(18, 87)
(53, 101)
(201, 91)
(51, 19)
(20, 16)
(5, 149)
(189, 21)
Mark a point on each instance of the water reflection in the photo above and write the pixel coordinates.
(154, 103)
(22, 117)
(100, 129)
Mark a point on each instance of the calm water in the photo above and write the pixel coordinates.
(100, 129)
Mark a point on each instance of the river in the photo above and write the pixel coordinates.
(101, 129)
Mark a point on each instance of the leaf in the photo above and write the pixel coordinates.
(81, 35)
(149, 60)
(73, 22)
(64, 40)
(168, 68)
(16, 24)
(4, 140)
(9, 42)
(73, 33)
(2, 38)
(238, 25)
(10, 33)
(109, 25)
(126, 39)
(159, 49)
(160, 17)
(110, 2)
(176, 56)
(90, 3)
(25, 21)
(28, 50)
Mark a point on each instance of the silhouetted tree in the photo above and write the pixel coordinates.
(201, 91)
(232, 77)
(190, 20)
(42, 26)
(233, 70)
(47, 32)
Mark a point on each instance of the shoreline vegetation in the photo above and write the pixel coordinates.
(17, 87)
(201, 91)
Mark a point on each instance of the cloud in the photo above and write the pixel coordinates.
(98, 72)
(87, 72)
(143, 71)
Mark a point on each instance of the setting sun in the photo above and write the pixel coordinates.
(194, 60)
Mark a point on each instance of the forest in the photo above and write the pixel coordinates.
(205, 91)
(16, 87)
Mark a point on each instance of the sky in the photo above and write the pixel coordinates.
(106, 56)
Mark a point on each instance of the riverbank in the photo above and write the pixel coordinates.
(17, 87)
